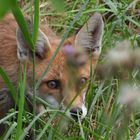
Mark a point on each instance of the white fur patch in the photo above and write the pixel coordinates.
(84, 96)
(84, 110)
(40, 108)
(51, 100)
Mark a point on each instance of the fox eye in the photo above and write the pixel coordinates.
(83, 80)
(53, 84)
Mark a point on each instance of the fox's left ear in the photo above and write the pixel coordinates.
(90, 35)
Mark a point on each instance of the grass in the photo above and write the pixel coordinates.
(107, 119)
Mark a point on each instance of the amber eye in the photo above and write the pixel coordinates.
(83, 80)
(53, 84)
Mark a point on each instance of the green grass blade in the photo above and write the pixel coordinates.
(46, 126)
(26, 130)
(8, 116)
(4, 7)
(22, 24)
(133, 21)
(99, 93)
(59, 5)
(112, 6)
(35, 37)
(9, 84)
(134, 2)
(9, 132)
(22, 88)
(36, 21)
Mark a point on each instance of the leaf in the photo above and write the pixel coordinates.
(5, 6)
(59, 5)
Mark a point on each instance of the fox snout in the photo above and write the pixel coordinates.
(70, 106)
(76, 106)
(78, 112)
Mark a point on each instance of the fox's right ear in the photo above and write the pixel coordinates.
(90, 35)
(23, 50)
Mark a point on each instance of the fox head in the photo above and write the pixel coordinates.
(65, 84)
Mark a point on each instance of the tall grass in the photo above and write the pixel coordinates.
(107, 118)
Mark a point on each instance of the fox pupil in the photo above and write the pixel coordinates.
(53, 84)
(83, 80)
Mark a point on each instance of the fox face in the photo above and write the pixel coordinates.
(65, 85)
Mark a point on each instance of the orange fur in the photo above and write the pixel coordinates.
(58, 71)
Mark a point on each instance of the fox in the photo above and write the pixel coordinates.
(56, 87)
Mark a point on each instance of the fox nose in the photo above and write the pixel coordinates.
(75, 113)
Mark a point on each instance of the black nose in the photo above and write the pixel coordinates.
(76, 112)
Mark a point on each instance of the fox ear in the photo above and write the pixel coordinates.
(24, 51)
(90, 35)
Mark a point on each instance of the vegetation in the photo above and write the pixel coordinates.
(111, 115)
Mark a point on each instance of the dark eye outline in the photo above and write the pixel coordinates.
(56, 82)
(81, 82)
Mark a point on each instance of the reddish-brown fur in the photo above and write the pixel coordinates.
(58, 71)
(10, 62)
